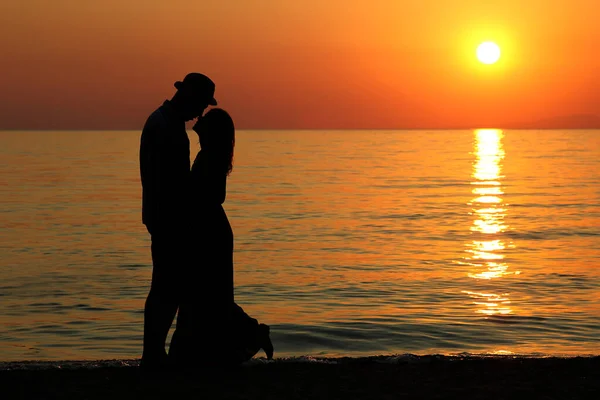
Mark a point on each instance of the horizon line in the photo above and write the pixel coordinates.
(314, 129)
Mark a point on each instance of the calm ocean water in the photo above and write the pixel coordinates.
(346, 242)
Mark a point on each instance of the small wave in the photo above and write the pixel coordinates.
(552, 234)
(36, 365)
(513, 319)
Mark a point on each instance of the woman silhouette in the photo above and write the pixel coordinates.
(210, 323)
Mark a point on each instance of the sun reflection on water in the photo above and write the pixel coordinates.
(485, 255)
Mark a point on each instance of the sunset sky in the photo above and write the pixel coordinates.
(87, 64)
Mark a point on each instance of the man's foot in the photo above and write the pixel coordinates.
(264, 340)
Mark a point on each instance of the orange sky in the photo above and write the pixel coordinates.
(74, 64)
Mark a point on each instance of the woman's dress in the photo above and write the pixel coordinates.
(210, 326)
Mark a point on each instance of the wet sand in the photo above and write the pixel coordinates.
(430, 377)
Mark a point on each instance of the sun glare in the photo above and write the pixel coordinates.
(488, 52)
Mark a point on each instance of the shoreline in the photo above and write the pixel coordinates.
(406, 358)
(314, 378)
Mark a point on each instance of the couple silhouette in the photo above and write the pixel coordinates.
(192, 240)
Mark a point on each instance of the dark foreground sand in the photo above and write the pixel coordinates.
(429, 377)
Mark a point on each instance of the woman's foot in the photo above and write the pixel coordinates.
(264, 340)
(155, 362)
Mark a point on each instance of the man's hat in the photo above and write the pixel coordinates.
(198, 84)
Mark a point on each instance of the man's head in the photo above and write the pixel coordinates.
(194, 94)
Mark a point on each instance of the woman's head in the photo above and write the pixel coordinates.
(217, 136)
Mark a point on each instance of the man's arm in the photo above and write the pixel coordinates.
(158, 180)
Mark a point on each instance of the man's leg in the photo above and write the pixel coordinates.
(162, 302)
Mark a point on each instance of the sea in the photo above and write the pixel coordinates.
(348, 243)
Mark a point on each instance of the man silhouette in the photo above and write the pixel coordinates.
(164, 169)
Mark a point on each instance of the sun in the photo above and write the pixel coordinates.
(488, 52)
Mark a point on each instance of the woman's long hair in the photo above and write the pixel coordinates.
(217, 137)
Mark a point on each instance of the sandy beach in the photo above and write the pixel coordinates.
(432, 377)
